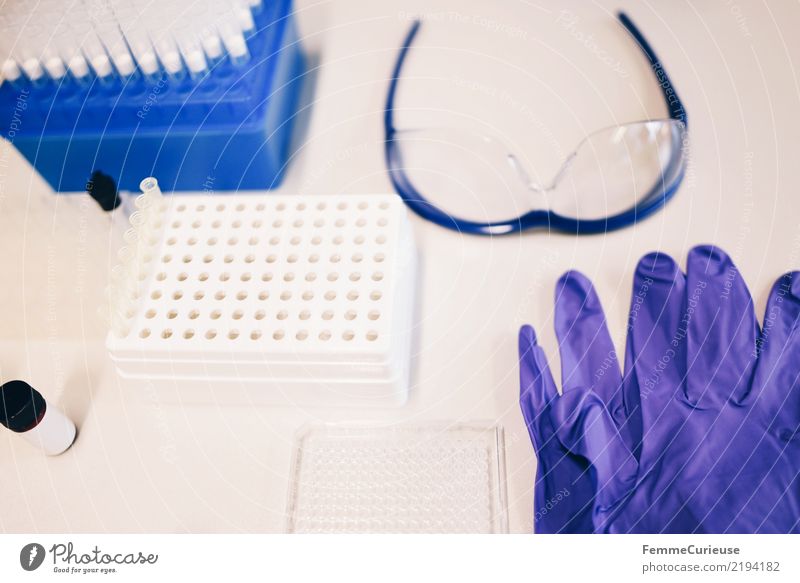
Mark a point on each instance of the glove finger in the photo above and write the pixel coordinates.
(537, 388)
(585, 428)
(588, 357)
(775, 382)
(722, 329)
(656, 338)
(564, 492)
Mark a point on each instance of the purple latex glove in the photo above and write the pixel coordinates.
(720, 401)
(585, 467)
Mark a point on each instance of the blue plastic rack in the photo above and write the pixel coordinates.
(226, 131)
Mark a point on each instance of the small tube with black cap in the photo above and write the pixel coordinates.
(24, 410)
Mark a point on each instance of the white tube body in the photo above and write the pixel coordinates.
(54, 433)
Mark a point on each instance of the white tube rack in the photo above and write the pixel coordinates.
(297, 299)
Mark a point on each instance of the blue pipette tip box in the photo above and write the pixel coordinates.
(228, 130)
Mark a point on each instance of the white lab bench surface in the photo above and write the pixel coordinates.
(141, 464)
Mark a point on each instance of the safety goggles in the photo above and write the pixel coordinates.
(614, 177)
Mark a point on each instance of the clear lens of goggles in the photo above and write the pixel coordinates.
(475, 177)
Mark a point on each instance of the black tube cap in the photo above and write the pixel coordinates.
(21, 406)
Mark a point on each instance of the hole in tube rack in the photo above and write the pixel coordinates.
(236, 224)
(355, 276)
(379, 257)
(229, 258)
(305, 315)
(375, 296)
(237, 314)
(308, 295)
(215, 314)
(311, 276)
(220, 295)
(224, 276)
(188, 334)
(301, 334)
(211, 334)
(263, 295)
(278, 334)
(246, 276)
(348, 335)
(377, 276)
(250, 258)
(172, 314)
(325, 335)
(144, 333)
(327, 315)
(352, 295)
(233, 334)
(260, 315)
(156, 294)
(362, 205)
(372, 335)
(255, 334)
(330, 295)
(177, 295)
(350, 315)
(282, 315)
(194, 314)
(361, 222)
(166, 333)
(289, 276)
(357, 258)
(374, 315)
(183, 276)
(242, 295)
(150, 314)
(286, 295)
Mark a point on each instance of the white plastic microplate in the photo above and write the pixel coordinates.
(305, 299)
